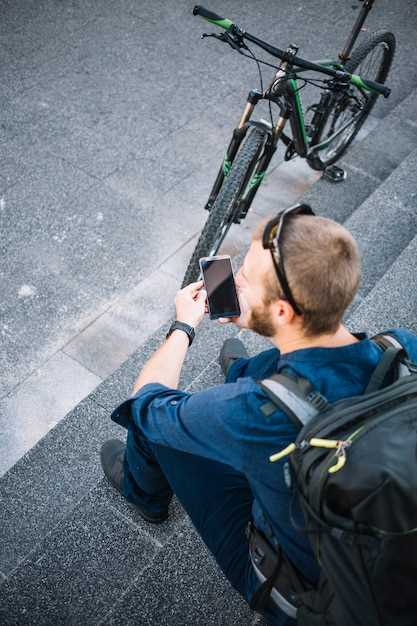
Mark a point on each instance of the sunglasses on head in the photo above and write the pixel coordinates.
(271, 239)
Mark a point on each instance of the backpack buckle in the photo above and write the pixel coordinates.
(317, 400)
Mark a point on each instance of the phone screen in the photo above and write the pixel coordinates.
(220, 286)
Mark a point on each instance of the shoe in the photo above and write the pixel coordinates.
(111, 456)
(232, 349)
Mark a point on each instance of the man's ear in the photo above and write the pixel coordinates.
(284, 312)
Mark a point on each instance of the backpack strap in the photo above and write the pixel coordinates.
(390, 363)
(294, 395)
(299, 400)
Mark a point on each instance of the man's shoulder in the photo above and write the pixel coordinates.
(257, 367)
(406, 337)
(245, 406)
(245, 393)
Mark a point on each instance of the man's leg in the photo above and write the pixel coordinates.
(217, 498)
(144, 484)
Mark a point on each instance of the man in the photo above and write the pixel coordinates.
(212, 448)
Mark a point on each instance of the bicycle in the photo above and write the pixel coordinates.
(346, 100)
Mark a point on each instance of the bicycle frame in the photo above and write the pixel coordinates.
(345, 54)
(292, 111)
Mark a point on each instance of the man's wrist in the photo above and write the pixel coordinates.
(189, 323)
(186, 328)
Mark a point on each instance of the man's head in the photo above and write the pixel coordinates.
(322, 267)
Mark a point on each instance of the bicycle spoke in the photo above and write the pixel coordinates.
(372, 62)
(337, 120)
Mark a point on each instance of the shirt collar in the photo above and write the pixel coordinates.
(328, 354)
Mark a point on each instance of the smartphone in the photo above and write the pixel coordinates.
(219, 283)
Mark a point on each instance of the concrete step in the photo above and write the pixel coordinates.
(368, 162)
(386, 222)
(383, 149)
(102, 564)
(63, 466)
(58, 559)
(58, 517)
(393, 300)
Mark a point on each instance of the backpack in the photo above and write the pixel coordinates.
(354, 463)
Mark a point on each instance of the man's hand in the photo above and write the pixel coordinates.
(190, 304)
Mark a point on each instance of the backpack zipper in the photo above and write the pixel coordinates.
(339, 445)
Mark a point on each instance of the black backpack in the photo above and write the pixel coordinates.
(355, 468)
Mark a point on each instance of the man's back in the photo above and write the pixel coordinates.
(336, 373)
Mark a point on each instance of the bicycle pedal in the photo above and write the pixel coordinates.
(334, 174)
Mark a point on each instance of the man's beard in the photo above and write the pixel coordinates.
(260, 321)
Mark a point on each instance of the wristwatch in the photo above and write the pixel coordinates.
(189, 330)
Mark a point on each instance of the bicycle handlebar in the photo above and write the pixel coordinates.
(213, 18)
(370, 85)
(358, 81)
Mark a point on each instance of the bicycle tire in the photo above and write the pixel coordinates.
(358, 64)
(221, 213)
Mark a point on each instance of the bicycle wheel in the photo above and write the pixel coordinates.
(222, 212)
(371, 59)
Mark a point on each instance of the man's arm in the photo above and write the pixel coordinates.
(165, 364)
(210, 423)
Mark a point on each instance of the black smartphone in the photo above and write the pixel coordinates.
(220, 285)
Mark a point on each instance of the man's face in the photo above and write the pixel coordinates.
(257, 313)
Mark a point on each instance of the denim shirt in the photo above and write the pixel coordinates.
(225, 423)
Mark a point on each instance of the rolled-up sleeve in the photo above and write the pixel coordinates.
(209, 423)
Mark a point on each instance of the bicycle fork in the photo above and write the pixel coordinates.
(253, 180)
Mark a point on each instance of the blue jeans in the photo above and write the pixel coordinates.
(217, 498)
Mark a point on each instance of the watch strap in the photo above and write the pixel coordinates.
(189, 330)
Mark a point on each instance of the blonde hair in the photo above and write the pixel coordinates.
(322, 266)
